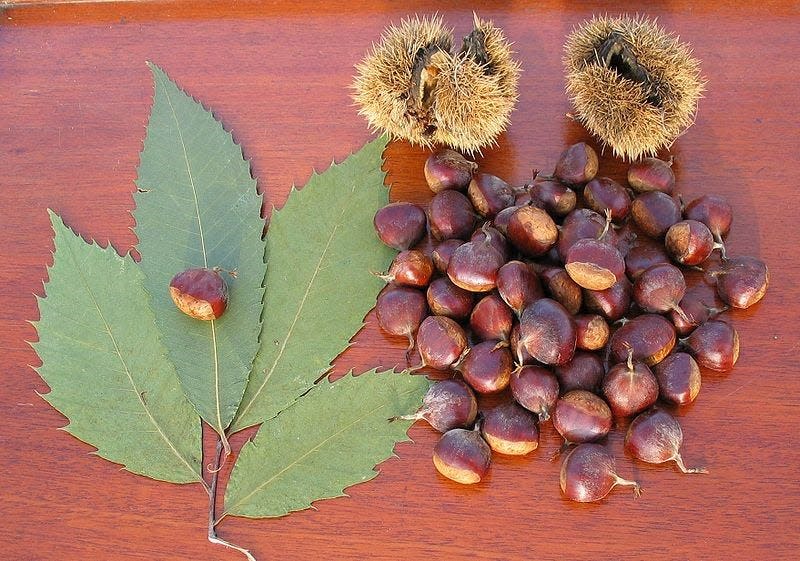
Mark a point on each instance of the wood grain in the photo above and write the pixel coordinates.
(75, 99)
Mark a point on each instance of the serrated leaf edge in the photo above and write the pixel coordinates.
(276, 212)
(109, 249)
(157, 73)
(375, 470)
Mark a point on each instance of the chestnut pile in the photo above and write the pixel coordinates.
(578, 304)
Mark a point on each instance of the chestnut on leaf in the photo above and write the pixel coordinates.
(200, 293)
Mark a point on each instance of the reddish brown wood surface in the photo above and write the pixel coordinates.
(75, 94)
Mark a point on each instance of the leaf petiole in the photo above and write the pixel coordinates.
(212, 503)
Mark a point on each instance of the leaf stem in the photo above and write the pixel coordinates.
(223, 438)
(212, 504)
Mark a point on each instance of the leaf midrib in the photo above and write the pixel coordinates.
(127, 371)
(246, 407)
(220, 428)
(229, 509)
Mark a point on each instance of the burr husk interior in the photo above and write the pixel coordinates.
(634, 117)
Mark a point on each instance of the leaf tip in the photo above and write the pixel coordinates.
(154, 68)
(55, 218)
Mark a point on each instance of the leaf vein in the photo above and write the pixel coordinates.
(217, 397)
(189, 174)
(316, 448)
(300, 307)
(118, 352)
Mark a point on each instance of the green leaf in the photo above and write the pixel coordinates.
(197, 206)
(107, 370)
(321, 253)
(328, 440)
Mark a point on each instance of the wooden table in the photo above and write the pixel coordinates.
(76, 95)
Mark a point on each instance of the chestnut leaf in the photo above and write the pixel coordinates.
(197, 206)
(106, 367)
(330, 439)
(321, 252)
